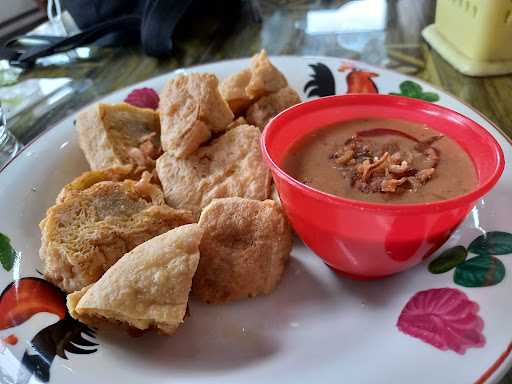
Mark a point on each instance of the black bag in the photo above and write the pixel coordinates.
(149, 22)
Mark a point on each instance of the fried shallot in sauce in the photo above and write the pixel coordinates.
(382, 161)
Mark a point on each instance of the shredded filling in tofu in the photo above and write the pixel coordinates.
(147, 152)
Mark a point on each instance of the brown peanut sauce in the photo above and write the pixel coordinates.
(382, 161)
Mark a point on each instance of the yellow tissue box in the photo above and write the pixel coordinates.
(473, 35)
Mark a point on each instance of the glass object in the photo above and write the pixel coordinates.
(9, 146)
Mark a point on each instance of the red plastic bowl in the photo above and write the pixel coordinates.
(368, 240)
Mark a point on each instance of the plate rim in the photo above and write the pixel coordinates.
(503, 363)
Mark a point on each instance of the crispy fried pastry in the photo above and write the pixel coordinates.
(191, 109)
(88, 232)
(230, 165)
(118, 134)
(244, 249)
(147, 288)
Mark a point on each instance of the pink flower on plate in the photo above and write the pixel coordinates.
(143, 98)
(444, 318)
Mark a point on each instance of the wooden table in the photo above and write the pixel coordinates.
(282, 30)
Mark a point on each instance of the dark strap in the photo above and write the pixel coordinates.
(26, 57)
(156, 26)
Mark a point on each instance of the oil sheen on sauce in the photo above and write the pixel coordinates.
(310, 161)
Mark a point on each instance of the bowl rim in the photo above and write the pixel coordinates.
(441, 205)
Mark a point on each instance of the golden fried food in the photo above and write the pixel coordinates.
(147, 288)
(230, 166)
(236, 123)
(87, 233)
(89, 178)
(265, 78)
(191, 109)
(274, 195)
(243, 88)
(233, 90)
(118, 134)
(244, 249)
(260, 113)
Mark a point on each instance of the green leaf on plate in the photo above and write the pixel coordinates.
(448, 259)
(480, 271)
(7, 253)
(492, 243)
(411, 89)
(430, 96)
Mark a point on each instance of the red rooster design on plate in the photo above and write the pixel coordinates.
(323, 83)
(19, 302)
(359, 81)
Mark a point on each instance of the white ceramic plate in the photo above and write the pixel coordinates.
(316, 327)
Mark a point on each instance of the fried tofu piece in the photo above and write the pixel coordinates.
(243, 88)
(265, 78)
(230, 165)
(244, 249)
(83, 236)
(191, 109)
(118, 134)
(232, 88)
(274, 195)
(147, 288)
(89, 178)
(236, 123)
(260, 113)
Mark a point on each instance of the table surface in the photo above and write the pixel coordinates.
(281, 29)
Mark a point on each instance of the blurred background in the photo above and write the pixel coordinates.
(385, 33)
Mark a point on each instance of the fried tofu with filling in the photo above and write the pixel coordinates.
(244, 249)
(147, 288)
(84, 235)
(230, 165)
(260, 113)
(191, 109)
(89, 178)
(119, 134)
(243, 88)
